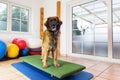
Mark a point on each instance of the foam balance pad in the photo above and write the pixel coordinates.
(36, 74)
(65, 70)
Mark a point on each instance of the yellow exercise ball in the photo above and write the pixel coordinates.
(12, 50)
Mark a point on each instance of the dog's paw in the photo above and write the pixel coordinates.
(45, 66)
(41, 59)
(57, 65)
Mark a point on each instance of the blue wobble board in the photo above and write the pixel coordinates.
(35, 74)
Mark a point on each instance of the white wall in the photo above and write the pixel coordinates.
(50, 10)
(35, 22)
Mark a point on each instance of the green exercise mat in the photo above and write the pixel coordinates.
(66, 68)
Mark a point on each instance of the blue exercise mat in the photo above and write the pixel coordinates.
(36, 74)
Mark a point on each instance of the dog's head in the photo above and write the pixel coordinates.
(53, 24)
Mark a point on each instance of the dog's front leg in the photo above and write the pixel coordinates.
(42, 55)
(45, 65)
(55, 59)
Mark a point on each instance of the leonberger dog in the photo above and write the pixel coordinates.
(50, 40)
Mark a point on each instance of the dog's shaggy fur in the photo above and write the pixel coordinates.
(50, 40)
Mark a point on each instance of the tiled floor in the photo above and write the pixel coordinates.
(101, 70)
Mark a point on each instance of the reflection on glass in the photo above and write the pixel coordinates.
(89, 28)
(3, 16)
(116, 29)
(15, 12)
(24, 14)
(15, 25)
(101, 40)
(24, 26)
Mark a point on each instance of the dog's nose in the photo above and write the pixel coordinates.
(53, 24)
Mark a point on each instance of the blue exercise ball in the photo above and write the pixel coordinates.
(3, 48)
(24, 52)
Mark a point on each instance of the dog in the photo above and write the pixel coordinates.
(50, 40)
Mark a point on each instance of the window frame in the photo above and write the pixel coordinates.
(29, 21)
(9, 17)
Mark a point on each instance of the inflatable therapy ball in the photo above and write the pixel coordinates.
(12, 50)
(15, 40)
(20, 43)
(24, 52)
(2, 49)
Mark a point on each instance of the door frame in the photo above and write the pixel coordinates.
(69, 6)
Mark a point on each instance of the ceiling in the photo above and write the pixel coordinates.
(96, 12)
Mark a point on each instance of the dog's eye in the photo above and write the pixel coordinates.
(54, 19)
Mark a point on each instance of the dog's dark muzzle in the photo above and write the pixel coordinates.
(53, 28)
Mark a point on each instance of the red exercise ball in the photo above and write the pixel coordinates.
(20, 43)
(14, 40)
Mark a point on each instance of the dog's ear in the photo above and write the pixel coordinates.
(47, 22)
(59, 21)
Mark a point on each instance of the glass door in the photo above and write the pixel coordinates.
(116, 29)
(90, 28)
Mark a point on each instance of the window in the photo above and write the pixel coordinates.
(3, 16)
(19, 20)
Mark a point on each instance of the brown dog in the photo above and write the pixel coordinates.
(50, 40)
